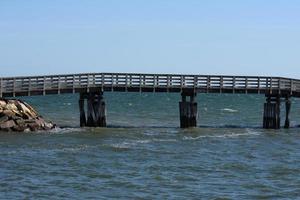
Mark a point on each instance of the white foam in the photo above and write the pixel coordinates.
(229, 110)
(143, 141)
(129, 144)
(122, 145)
(229, 135)
(164, 140)
(58, 130)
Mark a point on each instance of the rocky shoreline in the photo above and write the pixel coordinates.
(17, 115)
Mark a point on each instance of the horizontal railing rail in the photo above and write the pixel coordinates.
(100, 80)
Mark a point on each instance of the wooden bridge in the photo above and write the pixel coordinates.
(91, 86)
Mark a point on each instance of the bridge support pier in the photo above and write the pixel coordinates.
(96, 112)
(272, 113)
(188, 110)
(82, 111)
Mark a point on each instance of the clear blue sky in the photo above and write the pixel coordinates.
(238, 37)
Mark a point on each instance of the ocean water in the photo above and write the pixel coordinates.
(143, 154)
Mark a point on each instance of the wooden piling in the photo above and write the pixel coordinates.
(100, 111)
(82, 111)
(287, 112)
(91, 118)
(188, 111)
(271, 118)
(96, 112)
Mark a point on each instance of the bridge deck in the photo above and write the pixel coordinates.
(129, 82)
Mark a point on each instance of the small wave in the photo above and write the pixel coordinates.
(129, 144)
(164, 140)
(75, 149)
(230, 126)
(142, 141)
(229, 110)
(123, 145)
(230, 135)
(61, 130)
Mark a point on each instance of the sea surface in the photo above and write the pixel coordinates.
(143, 154)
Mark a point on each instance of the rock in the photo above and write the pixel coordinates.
(2, 103)
(29, 121)
(29, 110)
(11, 106)
(3, 119)
(40, 122)
(19, 128)
(8, 113)
(16, 115)
(34, 126)
(8, 124)
(20, 122)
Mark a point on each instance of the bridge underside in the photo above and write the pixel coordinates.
(151, 89)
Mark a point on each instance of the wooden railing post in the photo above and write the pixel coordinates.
(14, 87)
(102, 81)
(195, 84)
(271, 85)
(279, 85)
(140, 77)
(58, 85)
(181, 82)
(29, 87)
(246, 85)
(291, 86)
(126, 82)
(88, 83)
(112, 82)
(221, 83)
(233, 84)
(168, 81)
(73, 84)
(44, 86)
(94, 80)
(208, 82)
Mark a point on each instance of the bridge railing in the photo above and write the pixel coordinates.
(79, 81)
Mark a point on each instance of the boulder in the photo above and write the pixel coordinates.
(19, 128)
(30, 110)
(34, 126)
(16, 115)
(2, 103)
(8, 113)
(11, 106)
(4, 118)
(8, 124)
